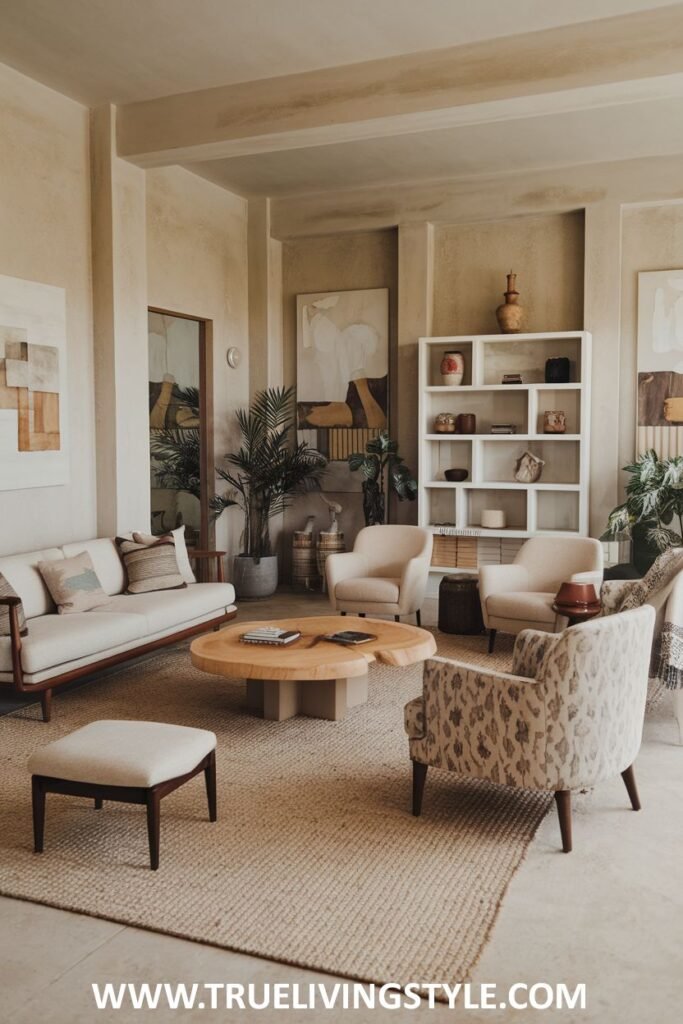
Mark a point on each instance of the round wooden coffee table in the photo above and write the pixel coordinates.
(310, 676)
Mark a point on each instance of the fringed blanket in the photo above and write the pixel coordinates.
(657, 587)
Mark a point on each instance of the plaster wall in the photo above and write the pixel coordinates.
(197, 265)
(45, 237)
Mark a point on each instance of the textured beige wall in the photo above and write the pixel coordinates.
(45, 237)
(471, 261)
(197, 264)
(652, 239)
(348, 261)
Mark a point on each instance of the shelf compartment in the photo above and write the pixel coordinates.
(512, 502)
(449, 453)
(441, 506)
(557, 511)
(506, 406)
(528, 358)
(436, 352)
(568, 400)
(499, 457)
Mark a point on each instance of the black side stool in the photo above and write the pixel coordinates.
(459, 605)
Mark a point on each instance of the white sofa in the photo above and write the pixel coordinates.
(60, 648)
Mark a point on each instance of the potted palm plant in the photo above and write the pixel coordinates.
(653, 510)
(383, 471)
(265, 474)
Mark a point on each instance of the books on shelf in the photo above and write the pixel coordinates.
(503, 428)
(509, 547)
(488, 551)
(270, 635)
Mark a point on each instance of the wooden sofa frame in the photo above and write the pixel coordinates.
(44, 690)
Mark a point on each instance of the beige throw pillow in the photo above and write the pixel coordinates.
(150, 567)
(182, 557)
(73, 583)
(7, 590)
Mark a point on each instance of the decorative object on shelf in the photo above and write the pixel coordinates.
(512, 378)
(265, 475)
(383, 471)
(466, 423)
(453, 368)
(233, 357)
(305, 574)
(459, 605)
(660, 338)
(456, 475)
(33, 388)
(503, 428)
(528, 468)
(335, 510)
(329, 543)
(493, 519)
(342, 376)
(445, 423)
(554, 422)
(510, 314)
(654, 503)
(557, 371)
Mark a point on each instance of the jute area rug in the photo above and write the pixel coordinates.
(315, 860)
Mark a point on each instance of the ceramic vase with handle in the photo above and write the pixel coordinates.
(452, 368)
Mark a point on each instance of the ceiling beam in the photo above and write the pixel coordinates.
(562, 68)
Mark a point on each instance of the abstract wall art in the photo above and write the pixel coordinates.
(342, 375)
(33, 449)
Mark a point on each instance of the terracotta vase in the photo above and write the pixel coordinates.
(554, 422)
(510, 315)
(452, 368)
(444, 423)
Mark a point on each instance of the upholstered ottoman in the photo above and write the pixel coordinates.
(130, 762)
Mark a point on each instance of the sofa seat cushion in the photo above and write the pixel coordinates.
(55, 639)
(370, 589)
(523, 606)
(164, 609)
(128, 753)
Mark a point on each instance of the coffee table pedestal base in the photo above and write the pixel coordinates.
(279, 699)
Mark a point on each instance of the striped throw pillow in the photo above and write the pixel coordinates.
(150, 567)
(7, 590)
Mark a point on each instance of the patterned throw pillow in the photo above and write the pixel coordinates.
(7, 590)
(73, 583)
(150, 566)
(182, 557)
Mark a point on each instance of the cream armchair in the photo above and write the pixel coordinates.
(568, 716)
(520, 595)
(385, 574)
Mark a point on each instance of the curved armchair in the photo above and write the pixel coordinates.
(385, 574)
(568, 716)
(520, 595)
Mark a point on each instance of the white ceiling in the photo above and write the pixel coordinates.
(120, 51)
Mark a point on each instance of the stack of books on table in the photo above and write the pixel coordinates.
(270, 635)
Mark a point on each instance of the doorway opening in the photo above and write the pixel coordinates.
(181, 425)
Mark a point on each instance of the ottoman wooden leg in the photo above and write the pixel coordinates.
(153, 826)
(38, 792)
(210, 777)
(98, 803)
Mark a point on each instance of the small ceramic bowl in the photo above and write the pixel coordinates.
(577, 595)
(456, 475)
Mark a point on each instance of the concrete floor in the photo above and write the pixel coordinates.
(609, 915)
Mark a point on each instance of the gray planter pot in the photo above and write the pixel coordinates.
(255, 579)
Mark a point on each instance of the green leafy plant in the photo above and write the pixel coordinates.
(654, 500)
(176, 450)
(383, 471)
(269, 469)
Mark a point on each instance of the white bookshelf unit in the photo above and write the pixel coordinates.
(556, 505)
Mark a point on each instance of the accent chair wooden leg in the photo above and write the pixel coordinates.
(38, 793)
(98, 803)
(46, 704)
(210, 779)
(630, 782)
(419, 779)
(342, 613)
(397, 618)
(492, 640)
(418, 617)
(153, 826)
(361, 615)
(563, 799)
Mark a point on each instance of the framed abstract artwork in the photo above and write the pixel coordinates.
(33, 419)
(660, 362)
(342, 375)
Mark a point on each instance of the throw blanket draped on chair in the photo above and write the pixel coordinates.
(656, 588)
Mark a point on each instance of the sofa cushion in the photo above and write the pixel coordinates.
(73, 583)
(150, 567)
(164, 609)
(56, 639)
(7, 590)
(182, 557)
(373, 589)
(523, 606)
(105, 559)
(21, 572)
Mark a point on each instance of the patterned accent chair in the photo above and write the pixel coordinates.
(568, 716)
(520, 595)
